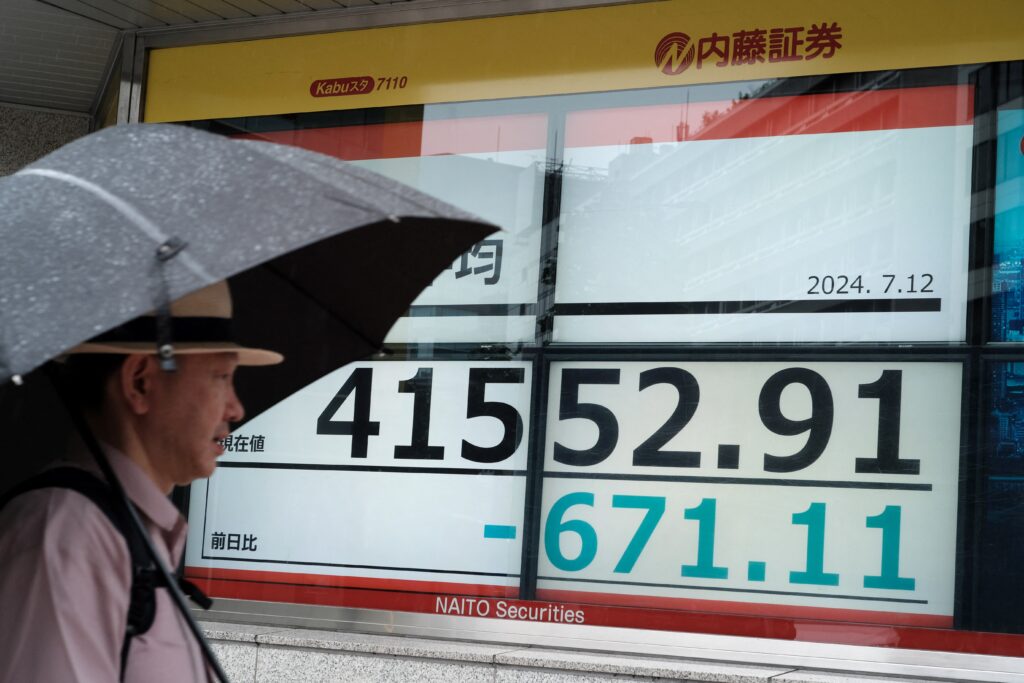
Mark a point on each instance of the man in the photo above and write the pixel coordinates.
(65, 569)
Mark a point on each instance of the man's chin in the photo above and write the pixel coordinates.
(209, 466)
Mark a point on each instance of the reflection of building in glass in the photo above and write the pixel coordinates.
(1007, 303)
(1007, 416)
(1007, 254)
(1001, 541)
(743, 167)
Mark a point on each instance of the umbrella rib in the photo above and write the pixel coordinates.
(134, 216)
(327, 309)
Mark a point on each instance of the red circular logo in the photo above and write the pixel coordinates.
(674, 54)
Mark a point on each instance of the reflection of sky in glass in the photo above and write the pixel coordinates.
(1008, 244)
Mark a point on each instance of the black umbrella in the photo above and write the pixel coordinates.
(119, 222)
(123, 221)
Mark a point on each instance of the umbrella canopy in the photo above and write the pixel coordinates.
(114, 224)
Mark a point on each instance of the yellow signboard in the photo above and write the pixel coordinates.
(654, 44)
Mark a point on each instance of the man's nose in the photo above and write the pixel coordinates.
(234, 411)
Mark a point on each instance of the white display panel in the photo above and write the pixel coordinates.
(754, 487)
(857, 235)
(504, 188)
(400, 470)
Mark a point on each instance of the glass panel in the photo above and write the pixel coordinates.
(1008, 243)
(491, 166)
(775, 218)
(1000, 554)
(379, 475)
(735, 325)
(406, 475)
(821, 490)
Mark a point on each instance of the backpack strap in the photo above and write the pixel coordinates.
(145, 576)
(76, 479)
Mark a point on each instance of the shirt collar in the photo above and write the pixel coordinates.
(141, 490)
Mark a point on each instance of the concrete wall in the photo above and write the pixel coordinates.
(27, 134)
(265, 654)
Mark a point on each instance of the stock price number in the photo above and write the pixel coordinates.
(420, 387)
(844, 494)
(811, 571)
(816, 428)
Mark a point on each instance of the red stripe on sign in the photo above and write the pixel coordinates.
(331, 596)
(418, 138)
(289, 581)
(947, 105)
(759, 609)
(406, 596)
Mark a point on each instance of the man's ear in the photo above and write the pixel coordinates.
(136, 382)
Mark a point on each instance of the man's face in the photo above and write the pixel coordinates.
(190, 412)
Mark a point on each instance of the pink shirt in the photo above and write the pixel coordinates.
(65, 578)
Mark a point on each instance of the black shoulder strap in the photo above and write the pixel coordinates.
(76, 479)
(145, 578)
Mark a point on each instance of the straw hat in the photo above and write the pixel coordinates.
(200, 323)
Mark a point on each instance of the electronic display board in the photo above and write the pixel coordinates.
(754, 487)
(761, 269)
(813, 218)
(613, 465)
(402, 470)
